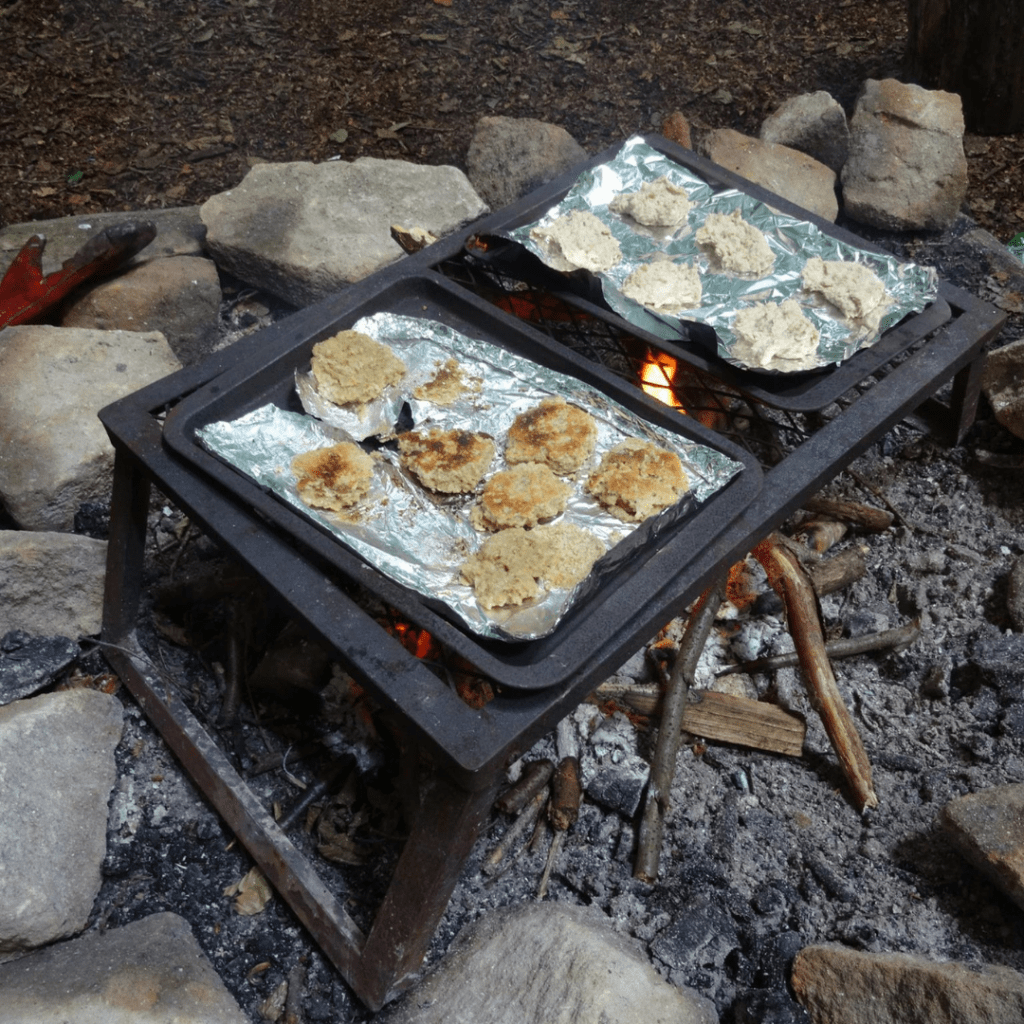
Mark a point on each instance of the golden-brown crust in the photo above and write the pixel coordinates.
(353, 367)
(554, 433)
(450, 461)
(333, 478)
(637, 479)
(521, 496)
(448, 384)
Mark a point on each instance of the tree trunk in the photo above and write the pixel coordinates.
(974, 48)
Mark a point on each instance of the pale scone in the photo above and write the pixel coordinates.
(450, 461)
(775, 336)
(579, 240)
(657, 203)
(333, 478)
(664, 286)
(854, 289)
(521, 496)
(637, 479)
(353, 367)
(516, 565)
(554, 433)
(734, 245)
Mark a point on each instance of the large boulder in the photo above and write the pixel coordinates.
(793, 175)
(548, 963)
(53, 381)
(56, 773)
(511, 156)
(303, 231)
(906, 169)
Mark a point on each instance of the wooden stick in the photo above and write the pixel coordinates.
(663, 768)
(563, 810)
(515, 830)
(535, 777)
(788, 577)
(827, 576)
(821, 534)
(887, 640)
(867, 518)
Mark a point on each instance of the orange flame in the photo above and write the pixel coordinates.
(657, 376)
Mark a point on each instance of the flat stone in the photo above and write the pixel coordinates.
(1015, 594)
(813, 123)
(906, 169)
(793, 175)
(52, 583)
(53, 381)
(179, 297)
(988, 829)
(511, 156)
(547, 963)
(28, 663)
(179, 232)
(148, 972)
(1003, 384)
(56, 773)
(843, 986)
(303, 231)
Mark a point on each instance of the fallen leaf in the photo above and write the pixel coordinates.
(252, 893)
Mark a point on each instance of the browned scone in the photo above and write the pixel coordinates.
(553, 432)
(353, 367)
(637, 479)
(521, 496)
(450, 461)
(333, 478)
(448, 384)
(516, 565)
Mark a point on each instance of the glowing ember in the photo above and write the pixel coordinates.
(657, 376)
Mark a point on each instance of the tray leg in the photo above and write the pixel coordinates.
(966, 390)
(129, 507)
(442, 837)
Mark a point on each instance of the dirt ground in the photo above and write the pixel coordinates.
(141, 104)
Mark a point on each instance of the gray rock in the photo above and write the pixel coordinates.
(56, 772)
(840, 985)
(28, 663)
(906, 169)
(179, 232)
(1003, 385)
(302, 231)
(511, 156)
(988, 829)
(547, 963)
(150, 971)
(702, 934)
(179, 297)
(813, 123)
(53, 381)
(620, 786)
(52, 583)
(793, 175)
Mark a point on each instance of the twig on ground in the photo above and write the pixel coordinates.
(566, 795)
(887, 640)
(663, 768)
(852, 512)
(526, 818)
(790, 580)
(535, 777)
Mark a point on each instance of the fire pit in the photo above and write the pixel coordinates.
(457, 753)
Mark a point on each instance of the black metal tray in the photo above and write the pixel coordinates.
(656, 560)
(801, 392)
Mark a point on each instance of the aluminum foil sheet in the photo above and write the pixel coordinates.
(909, 287)
(419, 537)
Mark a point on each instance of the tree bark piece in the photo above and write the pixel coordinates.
(659, 788)
(789, 579)
(535, 777)
(745, 722)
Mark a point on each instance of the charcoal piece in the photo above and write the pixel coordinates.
(997, 660)
(93, 520)
(28, 663)
(769, 1007)
(773, 954)
(703, 935)
(618, 787)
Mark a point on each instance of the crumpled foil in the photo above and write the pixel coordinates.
(909, 287)
(419, 537)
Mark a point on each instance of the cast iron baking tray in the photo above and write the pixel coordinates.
(656, 560)
(801, 392)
